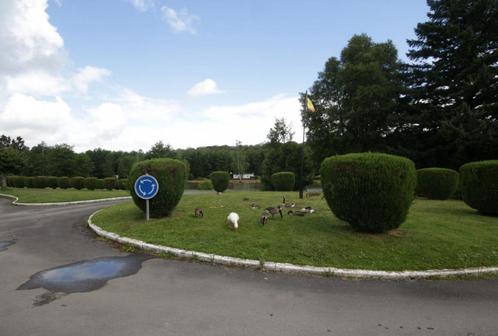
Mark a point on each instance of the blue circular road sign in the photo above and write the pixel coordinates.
(146, 187)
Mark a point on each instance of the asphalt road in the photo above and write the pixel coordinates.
(170, 297)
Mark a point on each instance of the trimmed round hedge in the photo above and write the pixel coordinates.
(283, 181)
(122, 184)
(52, 182)
(28, 181)
(40, 182)
(370, 191)
(110, 183)
(91, 183)
(479, 186)
(77, 182)
(436, 183)
(170, 174)
(99, 184)
(220, 180)
(63, 182)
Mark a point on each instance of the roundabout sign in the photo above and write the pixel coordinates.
(146, 187)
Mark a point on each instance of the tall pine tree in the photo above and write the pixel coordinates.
(452, 109)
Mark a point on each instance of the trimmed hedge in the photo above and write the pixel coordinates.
(123, 184)
(63, 182)
(91, 183)
(205, 185)
(220, 180)
(171, 175)
(99, 184)
(436, 183)
(15, 181)
(283, 181)
(370, 191)
(110, 183)
(28, 181)
(479, 186)
(77, 182)
(52, 182)
(40, 182)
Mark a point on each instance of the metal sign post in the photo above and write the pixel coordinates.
(146, 187)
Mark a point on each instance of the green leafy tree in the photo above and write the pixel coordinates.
(355, 97)
(281, 132)
(160, 150)
(10, 163)
(452, 113)
(82, 164)
(287, 157)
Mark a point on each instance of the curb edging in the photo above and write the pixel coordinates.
(285, 267)
(15, 201)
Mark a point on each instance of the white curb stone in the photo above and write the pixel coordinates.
(285, 267)
(15, 201)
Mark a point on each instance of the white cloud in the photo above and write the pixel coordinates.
(27, 39)
(87, 75)
(142, 5)
(204, 88)
(180, 21)
(36, 82)
(33, 119)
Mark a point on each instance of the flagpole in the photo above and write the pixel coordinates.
(301, 174)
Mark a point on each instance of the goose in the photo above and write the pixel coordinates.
(308, 209)
(264, 217)
(273, 211)
(233, 220)
(198, 212)
(296, 213)
(287, 205)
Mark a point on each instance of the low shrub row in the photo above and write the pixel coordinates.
(76, 182)
(373, 191)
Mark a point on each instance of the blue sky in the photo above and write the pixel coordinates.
(121, 57)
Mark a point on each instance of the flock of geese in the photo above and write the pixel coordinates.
(269, 212)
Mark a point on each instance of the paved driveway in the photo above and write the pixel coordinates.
(169, 297)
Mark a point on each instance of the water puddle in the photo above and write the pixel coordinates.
(4, 244)
(83, 276)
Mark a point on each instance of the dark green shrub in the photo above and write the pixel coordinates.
(220, 180)
(110, 183)
(283, 181)
(171, 176)
(28, 181)
(40, 182)
(15, 181)
(77, 182)
(479, 186)
(123, 184)
(436, 183)
(99, 184)
(370, 191)
(52, 182)
(91, 183)
(10, 181)
(63, 182)
(205, 185)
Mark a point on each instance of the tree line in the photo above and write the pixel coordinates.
(440, 109)
(278, 154)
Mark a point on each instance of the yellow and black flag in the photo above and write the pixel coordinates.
(309, 105)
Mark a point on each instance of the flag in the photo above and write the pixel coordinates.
(309, 105)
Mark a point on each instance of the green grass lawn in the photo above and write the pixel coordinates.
(436, 235)
(28, 195)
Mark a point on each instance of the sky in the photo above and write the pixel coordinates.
(125, 74)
